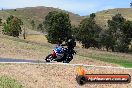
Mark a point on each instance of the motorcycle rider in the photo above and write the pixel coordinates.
(63, 54)
(70, 43)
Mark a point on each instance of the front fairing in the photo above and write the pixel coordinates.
(59, 52)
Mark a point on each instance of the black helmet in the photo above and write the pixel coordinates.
(59, 41)
(71, 43)
(70, 40)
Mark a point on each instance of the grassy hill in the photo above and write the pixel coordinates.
(36, 46)
(103, 16)
(37, 14)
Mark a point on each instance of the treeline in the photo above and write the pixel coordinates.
(117, 37)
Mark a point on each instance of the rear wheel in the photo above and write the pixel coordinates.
(68, 59)
(65, 61)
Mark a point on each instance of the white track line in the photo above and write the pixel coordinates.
(65, 64)
(89, 65)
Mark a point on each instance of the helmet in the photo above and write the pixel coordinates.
(59, 41)
(69, 40)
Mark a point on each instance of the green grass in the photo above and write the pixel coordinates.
(110, 58)
(6, 82)
(113, 59)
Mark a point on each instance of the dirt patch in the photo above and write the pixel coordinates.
(56, 76)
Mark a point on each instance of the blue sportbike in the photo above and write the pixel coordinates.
(61, 54)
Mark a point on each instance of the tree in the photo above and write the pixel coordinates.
(2, 9)
(0, 21)
(106, 40)
(131, 4)
(92, 15)
(75, 31)
(127, 29)
(58, 26)
(118, 29)
(12, 26)
(88, 32)
(33, 24)
(127, 32)
(24, 33)
(40, 27)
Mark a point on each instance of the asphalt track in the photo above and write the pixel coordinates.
(6, 60)
(23, 61)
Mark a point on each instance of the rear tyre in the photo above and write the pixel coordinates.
(65, 61)
(68, 59)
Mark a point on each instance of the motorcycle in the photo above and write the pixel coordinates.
(61, 54)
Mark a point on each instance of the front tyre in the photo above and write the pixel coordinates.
(48, 58)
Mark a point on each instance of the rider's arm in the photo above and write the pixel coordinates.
(64, 44)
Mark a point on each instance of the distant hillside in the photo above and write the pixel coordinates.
(37, 14)
(103, 16)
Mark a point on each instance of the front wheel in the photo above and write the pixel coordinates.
(48, 58)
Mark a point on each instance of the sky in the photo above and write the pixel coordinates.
(81, 7)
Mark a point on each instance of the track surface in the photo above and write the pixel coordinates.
(23, 61)
(6, 60)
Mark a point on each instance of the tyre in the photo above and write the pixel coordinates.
(48, 58)
(65, 61)
(81, 80)
(68, 59)
(59, 60)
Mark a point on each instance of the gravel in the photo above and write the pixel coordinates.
(57, 76)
